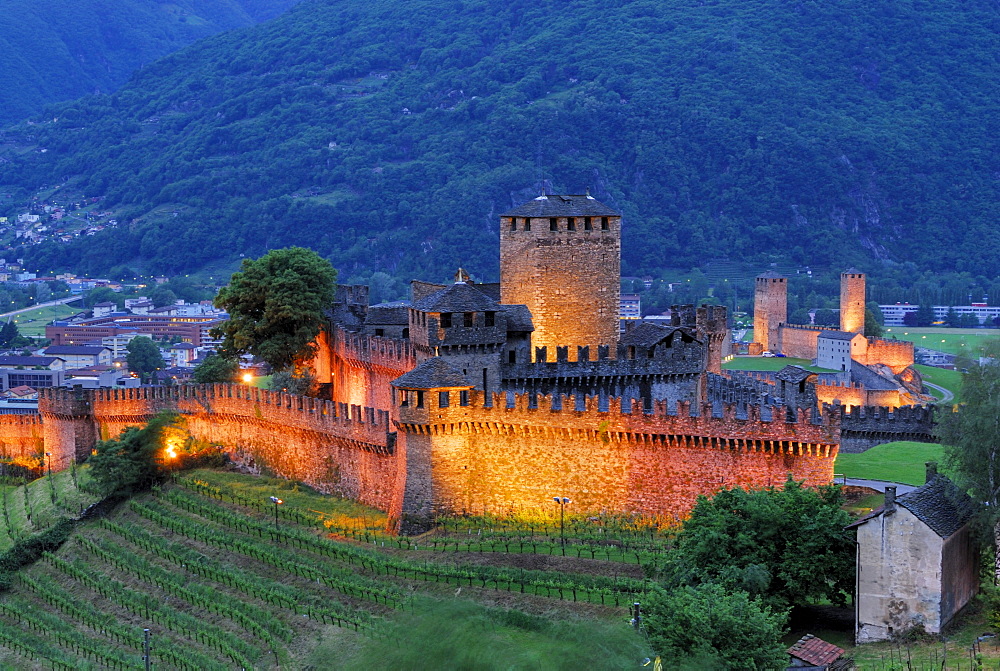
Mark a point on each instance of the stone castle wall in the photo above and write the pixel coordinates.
(896, 354)
(21, 436)
(362, 367)
(852, 302)
(770, 308)
(569, 279)
(334, 447)
(798, 341)
(513, 456)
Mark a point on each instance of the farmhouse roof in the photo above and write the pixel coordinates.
(434, 373)
(458, 297)
(940, 505)
(815, 651)
(562, 206)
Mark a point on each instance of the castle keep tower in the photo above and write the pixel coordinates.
(852, 301)
(561, 256)
(770, 308)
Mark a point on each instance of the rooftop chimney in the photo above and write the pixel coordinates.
(890, 500)
(931, 467)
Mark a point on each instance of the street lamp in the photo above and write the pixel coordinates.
(562, 501)
(277, 502)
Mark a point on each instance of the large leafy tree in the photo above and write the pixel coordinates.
(786, 545)
(216, 368)
(275, 305)
(135, 460)
(711, 627)
(971, 438)
(143, 357)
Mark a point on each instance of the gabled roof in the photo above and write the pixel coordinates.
(838, 335)
(940, 505)
(793, 373)
(815, 651)
(648, 334)
(397, 313)
(434, 373)
(518, 318)
(562, 206)
(28, 360)
(458, 297)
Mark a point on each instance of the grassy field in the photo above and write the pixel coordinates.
(897, 462)
(949, 379)
(32, 323)
(769, 363)
(953, 341)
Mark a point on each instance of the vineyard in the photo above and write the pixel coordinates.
(224, 578)
(31, 508)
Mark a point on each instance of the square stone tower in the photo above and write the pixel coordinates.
(770, 308)
(852, 301)
(561, 256)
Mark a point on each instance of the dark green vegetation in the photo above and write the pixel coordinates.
(388, 136)
(216, 368)
(276, 306)
(60, 49)
(144, 357)
(134, 461)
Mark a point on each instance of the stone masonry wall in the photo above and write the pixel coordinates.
(770, 308)
(852, 302)
(21, 436)
(800, 342)
(336, 448)
(362, 367)
(512, 458)
(896, 354)
(569, 279)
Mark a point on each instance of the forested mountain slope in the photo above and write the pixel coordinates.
(389, 136)
(54, 50)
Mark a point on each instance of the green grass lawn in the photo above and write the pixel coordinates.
(33, 322)
(953, 341)
(949, 379)
(897, 462)
(769, 363)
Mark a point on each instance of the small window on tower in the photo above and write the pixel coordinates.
(446, 320)
(605, 226)
(553, 224)
(490, 319)
(420, 399)
(571, 224)
(380, 333)
(513, 224)
(406, 333)
(470, 319)
(443, 399)
(527, 224)
(588, 224)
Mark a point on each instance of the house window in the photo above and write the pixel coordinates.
(404, 398)
(571, 224)
(443, 399)
(513, 224)
(406, 333)
(420, 399)
(490, 319)
(604, 224)
(463, 397)
(446, 320)
(588, 224)
(512, 356)
(553, 224)
(470, 319)
(380, 332)
(527, 224)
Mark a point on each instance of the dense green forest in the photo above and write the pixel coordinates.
(54, 50)
(389, 137)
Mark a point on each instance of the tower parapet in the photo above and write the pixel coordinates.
(770, 309)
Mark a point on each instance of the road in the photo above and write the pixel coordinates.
(60, 301)
(946, 394)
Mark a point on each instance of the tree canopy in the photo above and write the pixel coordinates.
(132, 462)
(216, 368)
(143, 357)
(276, 306)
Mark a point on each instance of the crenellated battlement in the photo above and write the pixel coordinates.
(863, 427)
(368, 350)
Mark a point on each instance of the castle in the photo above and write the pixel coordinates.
(493, 398)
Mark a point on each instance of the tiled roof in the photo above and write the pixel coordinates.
(870, 379)
(940, 505)
(837, 335)
(792, 373)
(518, 318)
(562, 206)
(648, 334)
(815, 651)
(458, 297)
(28, 360)
(74, 349)
(434, 373)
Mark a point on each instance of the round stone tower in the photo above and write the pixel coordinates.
(770, 308)
(852, 301)
(561, 256)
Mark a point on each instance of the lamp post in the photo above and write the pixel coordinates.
(562, 501)
(277, 502)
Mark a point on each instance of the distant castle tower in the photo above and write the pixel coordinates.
(770, 308)
(852, 301)
(561, 256)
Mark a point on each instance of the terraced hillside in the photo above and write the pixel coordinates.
(222, 583)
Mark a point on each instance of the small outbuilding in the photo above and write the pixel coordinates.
(810, 652)
(917, 562)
